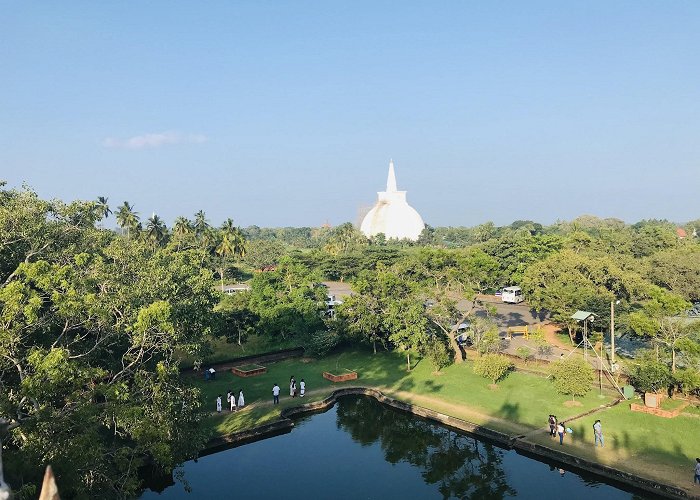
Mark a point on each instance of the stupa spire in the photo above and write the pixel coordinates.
(391, 179)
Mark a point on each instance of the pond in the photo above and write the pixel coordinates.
(361, 449)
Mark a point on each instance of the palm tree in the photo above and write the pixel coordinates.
(224, 250)
(102, 207)
(156, 230)
(127, 218)
(227, 226)
(181, 229)
(200, 223)
(239, 243)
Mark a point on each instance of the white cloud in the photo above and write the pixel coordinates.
(153, 140)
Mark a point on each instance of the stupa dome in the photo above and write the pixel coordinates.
(392, 215)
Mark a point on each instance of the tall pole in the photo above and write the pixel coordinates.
(612, 335)
(585, 339)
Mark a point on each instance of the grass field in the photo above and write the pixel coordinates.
(520, 403)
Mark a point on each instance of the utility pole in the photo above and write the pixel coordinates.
(612, 334)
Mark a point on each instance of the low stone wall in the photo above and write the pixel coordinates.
(507, 441)
(658, 411)
(236, 370)
(266, 357)
(340, 378)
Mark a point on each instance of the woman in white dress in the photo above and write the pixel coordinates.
(233, 401)
(302, 388)
(218, 403)
(292, 386)
(241, 400)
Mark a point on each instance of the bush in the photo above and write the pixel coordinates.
(438, 354)
(524, 353)
(320, 342)
(492, 366)
(687, 379)
(651, 376)
(572, 376)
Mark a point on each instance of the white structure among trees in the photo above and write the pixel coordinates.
(392, 215)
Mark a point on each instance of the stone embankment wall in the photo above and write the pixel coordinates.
(518, 443)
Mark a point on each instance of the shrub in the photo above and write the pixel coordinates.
(438, 354)
(651, 376)
(524, 353)
(687, 379)
(492, 366)
(572, 376)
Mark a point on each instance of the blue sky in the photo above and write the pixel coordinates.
(287, 113)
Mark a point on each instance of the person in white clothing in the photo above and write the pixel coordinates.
(275, 394)
(232, 401)
(218, 403)
(241, 400)
(302, 388)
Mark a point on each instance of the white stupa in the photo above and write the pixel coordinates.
(392, 215)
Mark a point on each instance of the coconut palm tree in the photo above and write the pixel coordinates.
(156, 230)
(102, 207)
(127, 218)
(224, 249)
(181, 229)
(239, 243)
(200, 223)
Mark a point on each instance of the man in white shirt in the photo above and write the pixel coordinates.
(275, 394)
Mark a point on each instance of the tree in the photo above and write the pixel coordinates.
(103, 207)
(572, 376)
(182, 229)
(88, 329)
(127, 218)
(201, 225)
(156, 230)
(237, 320)
(566, 282)
(344, 238)
(492, 366)
(677, 270)
(264, 253)
(438, 353)
(224, 250)
(287, 300)
(657, 319)
(651, 376)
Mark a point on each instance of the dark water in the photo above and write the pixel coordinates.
(361, 449)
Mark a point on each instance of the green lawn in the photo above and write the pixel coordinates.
(520, 403)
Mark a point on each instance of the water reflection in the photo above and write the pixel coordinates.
(459, 465)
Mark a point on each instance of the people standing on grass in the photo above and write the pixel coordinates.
(552, 425)
(292, 387)
(598, 433)
(275, 394)
(241, 399)
(302, 387)
(560, 431)
(232, 401)
(228, 397)
(696, 479)
(218, 403)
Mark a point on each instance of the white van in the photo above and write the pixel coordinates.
(512, 295)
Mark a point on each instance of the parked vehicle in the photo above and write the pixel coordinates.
(512, 295)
